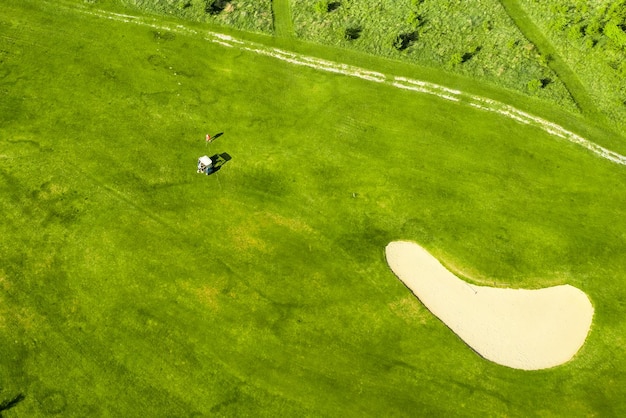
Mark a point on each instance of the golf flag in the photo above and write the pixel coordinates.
(208, 138)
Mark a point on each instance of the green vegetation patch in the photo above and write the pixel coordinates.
(474, 38)
(591, 38)
(250, 15)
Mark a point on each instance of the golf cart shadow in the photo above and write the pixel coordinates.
(218, 162)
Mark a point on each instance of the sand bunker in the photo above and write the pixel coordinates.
(522, 329)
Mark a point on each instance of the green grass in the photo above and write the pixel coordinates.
(475, 38)
(131, 286)
(564, 73)
(581, 37)
(282, 18)
(571, 54)
(250, 15)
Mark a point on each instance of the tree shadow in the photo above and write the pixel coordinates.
(216, 7)
(469, 55)
(332, 6)
(6, 405)
(219, 161)
(404, 40)
(353, 33)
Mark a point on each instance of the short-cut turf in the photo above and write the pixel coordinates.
(132, 286)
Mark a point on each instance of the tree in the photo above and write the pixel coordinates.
(534, 85)
(322, 6)
(615, 34)
(455, 59)
(404, 40)
(414, 19)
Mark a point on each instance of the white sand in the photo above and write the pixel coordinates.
(522, 329)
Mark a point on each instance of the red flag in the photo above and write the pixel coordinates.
(208, 138)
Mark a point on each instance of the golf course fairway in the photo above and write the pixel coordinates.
(131, 285)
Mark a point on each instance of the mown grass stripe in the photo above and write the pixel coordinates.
(283, 26)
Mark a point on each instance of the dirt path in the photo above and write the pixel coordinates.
(283, 26)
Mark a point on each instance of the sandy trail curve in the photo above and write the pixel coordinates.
(518, 328)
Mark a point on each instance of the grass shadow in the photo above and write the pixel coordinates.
(6, 405)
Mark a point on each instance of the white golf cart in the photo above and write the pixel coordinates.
(205, 165)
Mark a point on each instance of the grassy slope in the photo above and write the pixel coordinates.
(565, 74)
(130, 288)
(599, 65)
(495, 49)
(446, 30)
